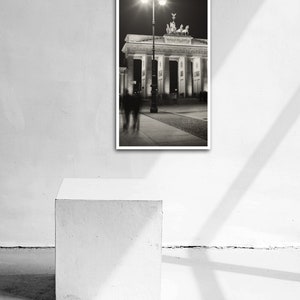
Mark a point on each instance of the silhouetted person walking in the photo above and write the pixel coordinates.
(127, 109)
(136, 104)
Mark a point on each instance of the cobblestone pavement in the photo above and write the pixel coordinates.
(194, 126)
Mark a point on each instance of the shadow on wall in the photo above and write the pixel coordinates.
(239, 187)
(252, 168)
(240, 15)
(229, 20)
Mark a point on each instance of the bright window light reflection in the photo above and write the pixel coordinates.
(144, 1)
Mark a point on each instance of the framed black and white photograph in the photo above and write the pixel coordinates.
(163, 74)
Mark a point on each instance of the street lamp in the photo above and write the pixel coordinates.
(153, 108)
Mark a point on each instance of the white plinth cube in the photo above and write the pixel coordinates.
(108, 250)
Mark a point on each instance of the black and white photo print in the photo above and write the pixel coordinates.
(162, 74)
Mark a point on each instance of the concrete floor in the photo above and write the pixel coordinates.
(197, 273)
(230, 274)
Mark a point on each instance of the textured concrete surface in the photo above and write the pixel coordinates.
(108, 249)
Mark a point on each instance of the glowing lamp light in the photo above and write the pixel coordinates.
(162, 2)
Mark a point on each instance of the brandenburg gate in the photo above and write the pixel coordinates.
(181, 63)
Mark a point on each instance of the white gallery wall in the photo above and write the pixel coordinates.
(57, 120)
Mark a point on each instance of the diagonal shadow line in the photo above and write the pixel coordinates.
(246, 177)
(254, 271)
(254, 165)
(244, 180)
(203, 274)
(229, 20)
(206, 278)
(232, 30)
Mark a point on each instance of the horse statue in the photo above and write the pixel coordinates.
(186, 30)
(172, 27)
(180, 29)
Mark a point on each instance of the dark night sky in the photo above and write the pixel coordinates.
(136, 18)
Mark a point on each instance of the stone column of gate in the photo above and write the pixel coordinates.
(204, 74)
(121, 84)
(160, 77)
(189, 87)
(130, 74)
(166, 68)
(182, 76)
(197, 77)
(148, 79)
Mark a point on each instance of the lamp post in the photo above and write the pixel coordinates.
(153, 107)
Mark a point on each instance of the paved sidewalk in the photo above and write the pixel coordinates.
(155, 133)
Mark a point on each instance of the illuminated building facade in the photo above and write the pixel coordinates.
(181, 65)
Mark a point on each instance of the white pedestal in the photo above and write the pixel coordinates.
(108, 249)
